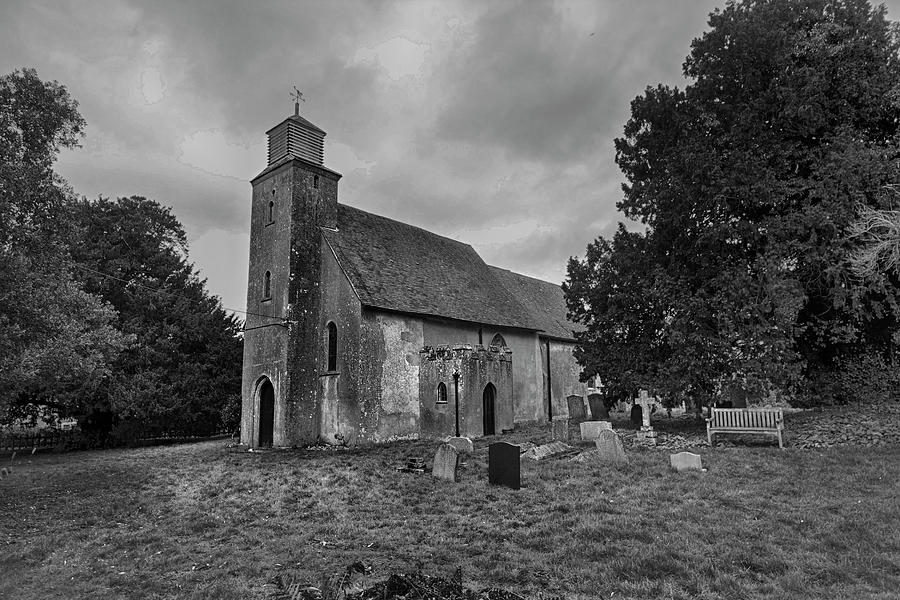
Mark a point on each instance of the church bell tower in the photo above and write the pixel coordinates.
(294, 198)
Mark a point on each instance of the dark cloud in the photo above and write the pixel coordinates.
(490, 122)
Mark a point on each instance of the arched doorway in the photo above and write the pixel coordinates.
(487, 408)
(266, 413)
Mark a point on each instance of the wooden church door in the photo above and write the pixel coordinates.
(266, 413)
(488, 409)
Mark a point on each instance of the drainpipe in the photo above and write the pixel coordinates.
(549, 385)
(456, 398)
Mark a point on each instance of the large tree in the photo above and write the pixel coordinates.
(747, 183)
(185, 361)
(56, 340)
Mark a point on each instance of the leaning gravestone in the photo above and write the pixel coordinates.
(446, 461)
(503, 465)
(463, 445)
(609, 448)
(591, 429)
(686, 461)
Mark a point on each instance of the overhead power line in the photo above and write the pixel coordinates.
(177, 295)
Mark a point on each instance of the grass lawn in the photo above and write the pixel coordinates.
(209, 521)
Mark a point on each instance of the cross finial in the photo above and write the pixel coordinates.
(297, 95)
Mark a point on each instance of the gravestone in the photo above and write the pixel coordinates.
(609, 448)
(647, 435)
(547, 450)
(636, 415)
(576, 408)
(446, 461)
(560, 429)
(686, 461)
(503, 465)
(598, 408)
(590, 430)
(463, 445)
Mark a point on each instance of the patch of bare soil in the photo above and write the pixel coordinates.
(356, 584)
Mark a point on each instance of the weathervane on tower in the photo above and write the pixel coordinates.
(297, 95)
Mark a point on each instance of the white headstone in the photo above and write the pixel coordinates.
(590, 430)
(685, 461)
(463, 445)
(609, 448)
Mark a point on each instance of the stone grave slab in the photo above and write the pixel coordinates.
(609, 448)
(446, 461)
(547, 450)
(463, 445)
(590, 430)
(560, 429)
(686, 461)
(503, 465)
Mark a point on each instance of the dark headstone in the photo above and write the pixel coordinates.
(503, 465)
(637, 415)
(598, 408)
(576, 408)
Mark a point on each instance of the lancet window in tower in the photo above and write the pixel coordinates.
(332, 346)
(267, 285)
(442, 393)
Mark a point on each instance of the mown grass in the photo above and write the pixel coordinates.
(207, 521)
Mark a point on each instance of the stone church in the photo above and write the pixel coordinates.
(364, 329)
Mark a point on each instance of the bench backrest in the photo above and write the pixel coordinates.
(757, 418)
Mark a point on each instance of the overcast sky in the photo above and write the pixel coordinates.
(488, 122)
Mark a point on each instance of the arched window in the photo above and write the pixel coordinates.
(332, 346)
(498, 340)
(442, 393)
(267, 285)
(271, 211)
(316, 181)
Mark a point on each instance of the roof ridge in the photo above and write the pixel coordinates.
(431, 233)
(559, 285)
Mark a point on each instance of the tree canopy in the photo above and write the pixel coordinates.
(101, 315)
(747, 184)
(56, 340)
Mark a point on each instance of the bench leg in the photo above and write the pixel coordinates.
(780, 441)
(709, 436)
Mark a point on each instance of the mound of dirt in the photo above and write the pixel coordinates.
(398, 586)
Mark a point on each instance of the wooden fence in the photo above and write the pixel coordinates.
(46, 439)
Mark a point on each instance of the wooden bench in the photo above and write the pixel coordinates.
(745, 420)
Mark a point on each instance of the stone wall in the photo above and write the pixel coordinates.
(339, 413)
(265, 339)
(289, 246)
(477, 366)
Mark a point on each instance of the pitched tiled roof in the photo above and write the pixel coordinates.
(544, 301)
(399, 267)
